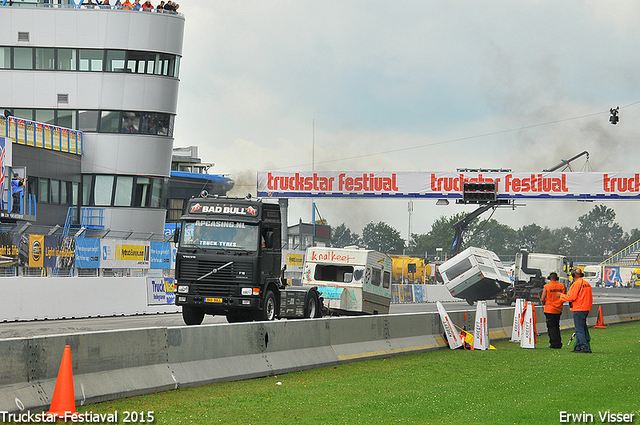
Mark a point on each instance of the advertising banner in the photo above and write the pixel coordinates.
(294, 260)
(8, 250)
(87, 253)
(124, 254)
(36, 250)
(612, 276)
(59, 252)
(160, 291)
(572, 185)
(160, 255)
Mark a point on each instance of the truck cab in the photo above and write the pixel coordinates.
(228, 259)
(530, 275)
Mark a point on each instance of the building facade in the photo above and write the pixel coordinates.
(114, 75)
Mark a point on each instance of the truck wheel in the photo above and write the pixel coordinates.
(192, 315)
(312, 309)
(268, 312)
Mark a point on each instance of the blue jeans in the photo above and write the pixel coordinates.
(582, 332)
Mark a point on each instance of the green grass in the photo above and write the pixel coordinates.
(509, 385)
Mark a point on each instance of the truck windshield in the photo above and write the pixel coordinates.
(220, 234)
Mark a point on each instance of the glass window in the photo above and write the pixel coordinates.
(163, 124)
(66, 118)
(46, 116)
(88, 120)
(176, 72)
(43, 190)
(109, 121)
(153, 62)
(176, 207)
(55, 191)
(74, 193)
(136, 62)
(22, 58)
(124, 186)
(170, 129)
(333, 273)
(91, 60)
(5, 57)
(458, 269)
(25, 114)
(102, 190)
(67, 59)
(64, 193)
(45, 58)
(386, 280)
(220, 234)
(149, 123)
(156, 193)
(141, 194)
(130, 122)
(167, 63)
(86, 189)
(116, 60)
(376, 276)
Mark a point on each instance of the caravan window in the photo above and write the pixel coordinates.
(386, 280)
(458, 269)
(376, 276)
(333, 273)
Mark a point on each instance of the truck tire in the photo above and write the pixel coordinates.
(268, 312)
(312, 308)
(192, 315)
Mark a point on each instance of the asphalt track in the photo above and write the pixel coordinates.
(65, 326)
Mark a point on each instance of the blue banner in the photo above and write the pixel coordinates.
(160, 255)
(87, 253)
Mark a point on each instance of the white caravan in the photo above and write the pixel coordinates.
(350, 280)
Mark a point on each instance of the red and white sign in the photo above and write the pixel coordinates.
(572, 185)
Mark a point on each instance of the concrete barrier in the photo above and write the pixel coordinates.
(37, 298)
(116, 364)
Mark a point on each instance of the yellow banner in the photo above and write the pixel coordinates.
(36, 250)
(294, 260)
(131, 252)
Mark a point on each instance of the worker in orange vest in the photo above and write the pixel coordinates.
(580, 300)
(553, 309)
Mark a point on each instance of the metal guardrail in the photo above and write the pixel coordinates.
(628, 255)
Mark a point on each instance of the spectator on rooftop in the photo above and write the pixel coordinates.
(137, 5)
(160, 7)
(147, 6)
(126, 5)
(169, 7)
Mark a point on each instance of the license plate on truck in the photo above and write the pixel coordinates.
(213, 300)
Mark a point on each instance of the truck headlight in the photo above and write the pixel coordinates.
(183, 289)
(247, 291)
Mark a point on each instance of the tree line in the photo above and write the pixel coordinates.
(596, 237)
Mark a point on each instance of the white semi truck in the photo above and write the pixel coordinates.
(530, 274)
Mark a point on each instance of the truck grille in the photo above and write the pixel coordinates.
(222, 283)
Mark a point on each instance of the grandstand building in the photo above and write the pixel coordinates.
(113, 75)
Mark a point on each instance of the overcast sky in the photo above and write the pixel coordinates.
(412, 86)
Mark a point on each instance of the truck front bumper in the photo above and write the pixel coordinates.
(220, 304)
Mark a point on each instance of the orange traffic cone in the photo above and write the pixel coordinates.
(600, 321)
(63, 403)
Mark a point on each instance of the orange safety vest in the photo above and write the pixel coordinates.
(579, 296)
(552, 302)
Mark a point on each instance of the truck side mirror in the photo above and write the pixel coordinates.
(176, 235)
